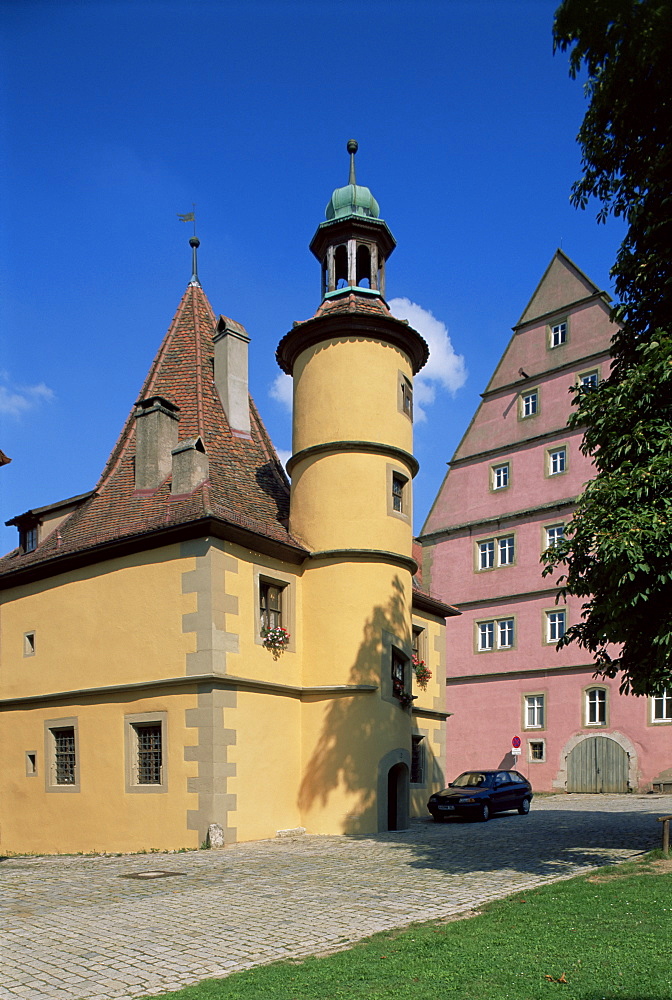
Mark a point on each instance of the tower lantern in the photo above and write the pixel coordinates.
(353, 243)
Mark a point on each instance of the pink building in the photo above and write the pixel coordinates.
(508, 494)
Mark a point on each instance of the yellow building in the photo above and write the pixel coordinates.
(194, 649)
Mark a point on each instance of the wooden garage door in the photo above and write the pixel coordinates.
(598, 764)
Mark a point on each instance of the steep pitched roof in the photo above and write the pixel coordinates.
(246, 486)
(562, 284)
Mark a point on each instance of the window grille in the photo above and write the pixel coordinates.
(149, 754)
(65, 760)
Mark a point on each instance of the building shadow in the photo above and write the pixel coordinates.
(355, 731)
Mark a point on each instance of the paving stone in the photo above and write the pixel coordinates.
(78, 929)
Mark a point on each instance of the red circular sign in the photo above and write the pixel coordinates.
(515, 742)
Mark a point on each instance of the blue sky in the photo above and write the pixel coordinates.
(119, 115)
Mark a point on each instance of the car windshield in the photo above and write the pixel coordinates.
(470, 779)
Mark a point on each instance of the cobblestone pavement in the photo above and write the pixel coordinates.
(103, 927)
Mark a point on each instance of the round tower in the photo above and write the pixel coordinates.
(351, 504)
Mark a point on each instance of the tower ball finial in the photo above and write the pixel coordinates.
(352, 148)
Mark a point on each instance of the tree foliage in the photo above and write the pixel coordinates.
(618, 552)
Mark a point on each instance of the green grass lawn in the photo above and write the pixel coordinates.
(605, 936)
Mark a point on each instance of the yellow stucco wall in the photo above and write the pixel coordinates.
(346, 389)
(101, 815)
(117, 622)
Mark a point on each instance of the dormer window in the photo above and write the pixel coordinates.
(29, 539)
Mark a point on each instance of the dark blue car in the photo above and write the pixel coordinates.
(479, 794)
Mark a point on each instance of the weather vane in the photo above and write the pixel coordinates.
(189, 217)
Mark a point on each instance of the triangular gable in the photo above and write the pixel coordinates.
(562, 284)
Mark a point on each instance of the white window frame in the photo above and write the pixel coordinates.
(596, 702)
(534, 708)
(663, 702)
(554, 459)
(529, 404)
(556, 624)
(589, 379)
(559, 530)
(491, 631)
(498, 472)
(557, 333)
(496, 552)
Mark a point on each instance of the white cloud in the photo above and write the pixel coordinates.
(15, 400)
(282, 390)
(445, 369)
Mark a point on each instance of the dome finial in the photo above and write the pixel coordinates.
(352, 148)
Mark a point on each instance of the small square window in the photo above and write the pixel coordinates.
(556, 625)
(661, 706)
(31, 764)
(557, 461)
(500, 476)
(534, 711)
(596, 707)
(558, 334)
(29, 644)
(536, 750)
(529, 403)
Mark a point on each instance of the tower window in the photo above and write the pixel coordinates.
(341, 267)
(407, 397)
(363, 266)
(397, 493)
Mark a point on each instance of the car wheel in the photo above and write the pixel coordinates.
(524, 807)
(484, 814)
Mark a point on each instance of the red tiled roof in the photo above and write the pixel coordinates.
(246, 486)
(372, 305)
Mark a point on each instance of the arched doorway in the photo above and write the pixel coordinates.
(397, 797)
(597, 764)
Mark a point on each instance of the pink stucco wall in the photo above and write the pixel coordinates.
(486, 688)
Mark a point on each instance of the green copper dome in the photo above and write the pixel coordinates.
(353, 199)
